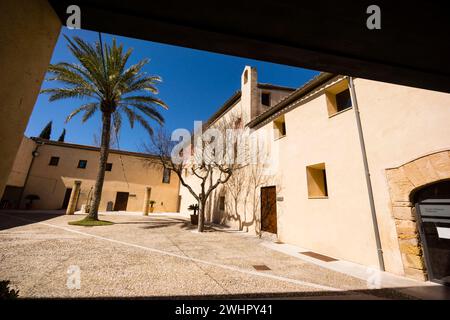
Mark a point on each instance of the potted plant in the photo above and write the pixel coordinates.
(152, 202)
(194, 217)
(31, 198)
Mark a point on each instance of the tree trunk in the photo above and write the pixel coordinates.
(201, 216)
(104, 150)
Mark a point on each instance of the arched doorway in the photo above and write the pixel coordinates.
(432, 204)
(423, 179)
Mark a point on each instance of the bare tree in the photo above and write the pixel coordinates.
(208, 156)
(244, 188)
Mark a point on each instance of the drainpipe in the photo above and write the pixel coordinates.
(34, 153)
(367, 174)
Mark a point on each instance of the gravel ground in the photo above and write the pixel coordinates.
(155, 256)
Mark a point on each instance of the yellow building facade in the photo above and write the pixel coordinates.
(49, 170)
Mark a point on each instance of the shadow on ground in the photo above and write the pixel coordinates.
(373, 294)
(26, 217)
(181, 223)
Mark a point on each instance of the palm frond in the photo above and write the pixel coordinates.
(145, 100)
(144, 123)
(64, 93)
(85, 107)
(89, 113)
(150, 112)
(117, 122)
(131, 115)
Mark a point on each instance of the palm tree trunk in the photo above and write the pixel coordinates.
(104, 150)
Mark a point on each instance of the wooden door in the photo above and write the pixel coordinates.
(121, 201)
(269, 209)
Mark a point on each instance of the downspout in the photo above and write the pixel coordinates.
(34, 154)
(367, 174)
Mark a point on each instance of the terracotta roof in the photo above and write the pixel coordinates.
(92, 148)
(295, 95)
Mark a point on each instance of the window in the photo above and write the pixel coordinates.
(166, 175)
(222, 203)
(245, 76)
(343, 100)
(82, 164)
(108, 166)
(53, 161)
(279, 126)
(317, 181)
(265, 99)
(338, 98)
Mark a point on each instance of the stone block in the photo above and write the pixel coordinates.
(403, 213)
(414, 241)
(408, 236)
(406, 227)
(413, 261)
(399, 185)
(414, 175)
(416, 274)
(409, 248)
(441, 164)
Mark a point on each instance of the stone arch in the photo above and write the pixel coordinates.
(404, 181)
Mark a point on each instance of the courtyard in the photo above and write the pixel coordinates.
(160, 255)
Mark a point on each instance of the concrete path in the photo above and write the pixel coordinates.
(157, 256)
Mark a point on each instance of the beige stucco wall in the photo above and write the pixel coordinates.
(29, 30)
(21, 163)
(339, 225)
(400, 124)
(50, 182)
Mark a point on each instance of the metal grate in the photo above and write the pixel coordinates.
(261, 267)
(318, 256)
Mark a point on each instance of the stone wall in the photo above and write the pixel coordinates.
(403, 181)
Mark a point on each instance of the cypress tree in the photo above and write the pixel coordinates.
(62, 136)
(46, 132)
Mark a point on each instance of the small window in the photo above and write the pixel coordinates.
(82, 164)
(166, 175)
(108, 166)
(53, 161)
(265, 99)
(222, 203)
(245, 76)
(279, 126)
(338, 98)
(316, 177)
(343, 100)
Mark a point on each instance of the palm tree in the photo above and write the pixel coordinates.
(100, 77)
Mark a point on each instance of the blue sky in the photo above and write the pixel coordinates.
(195, 84)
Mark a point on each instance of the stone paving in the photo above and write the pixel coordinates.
(156, 256)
